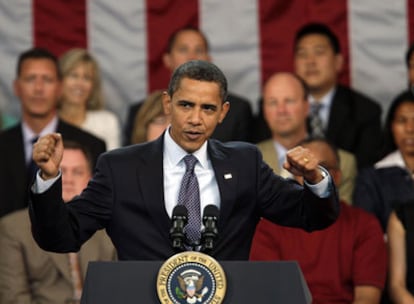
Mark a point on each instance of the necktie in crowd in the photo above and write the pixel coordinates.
(189, 196)
(316, 121)
(32, 167)
(75, 273)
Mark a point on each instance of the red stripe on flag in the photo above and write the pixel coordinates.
(410, 21)
(59, 25)
(163, 18)
(279, 21)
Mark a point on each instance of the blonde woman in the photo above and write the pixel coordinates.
(150, 121)
(81, 103)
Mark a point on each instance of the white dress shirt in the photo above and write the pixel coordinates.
(174, 169)
(29, 135)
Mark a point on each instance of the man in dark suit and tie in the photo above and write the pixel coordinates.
(135, 189)
(37, 85)
(191, 44)
(349, 119)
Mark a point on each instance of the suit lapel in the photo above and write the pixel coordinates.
(270, 155)
(18, 169)
(339, 112)
(151, 179)
(227, 177)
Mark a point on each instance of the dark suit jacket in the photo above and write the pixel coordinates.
(380, 190)
(13, 171)
(126, 196)
(236, 126)
(354, 125)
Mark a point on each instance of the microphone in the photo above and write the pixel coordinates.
(179, 220)
(210, 232)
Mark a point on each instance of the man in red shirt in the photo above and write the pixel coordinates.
(344, 263)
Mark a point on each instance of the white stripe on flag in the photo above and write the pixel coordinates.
(16, 37)
(232, 30)
(117, 36)
(378, 42)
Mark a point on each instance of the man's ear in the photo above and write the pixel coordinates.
(166, 103)
(339, 62)
(166, 59)
(224, 110)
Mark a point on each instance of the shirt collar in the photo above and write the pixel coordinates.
(29, 135)
(326, 100)
(173, 153)
(393, 159)
(281, 153)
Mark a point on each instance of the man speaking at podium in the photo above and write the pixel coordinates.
(134, 189)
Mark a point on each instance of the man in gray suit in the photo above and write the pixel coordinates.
(29, 274)
(285, 109)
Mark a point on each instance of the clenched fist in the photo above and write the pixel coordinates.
(47, 154)
(302, 162)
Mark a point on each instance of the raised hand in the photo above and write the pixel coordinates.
(47, 154)
(302, 162)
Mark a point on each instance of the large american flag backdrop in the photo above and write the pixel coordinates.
(249, 40)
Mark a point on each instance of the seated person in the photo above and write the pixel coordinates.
(30, 275)
(187, 44)
(285, 108)
(344, 263)
(400, 231)
(150, 121)
(390, 181)
(82, 103)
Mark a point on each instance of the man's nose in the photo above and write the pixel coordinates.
(195, 116)
(39, 84)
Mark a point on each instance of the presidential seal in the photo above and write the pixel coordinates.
(191, 277)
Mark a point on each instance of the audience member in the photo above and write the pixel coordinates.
(400, 231)
(344, 263)
(81, 103)
(390, 181)
(30, 275)
(189, 44)
(285, 109)
(349, 119)
(37, 85)
(150, 121)
(134, 189)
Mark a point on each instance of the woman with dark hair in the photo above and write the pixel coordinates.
(390, 182)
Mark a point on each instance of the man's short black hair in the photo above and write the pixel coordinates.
(37, 53)
(319, 29)
(173, 37)
(198, 70)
